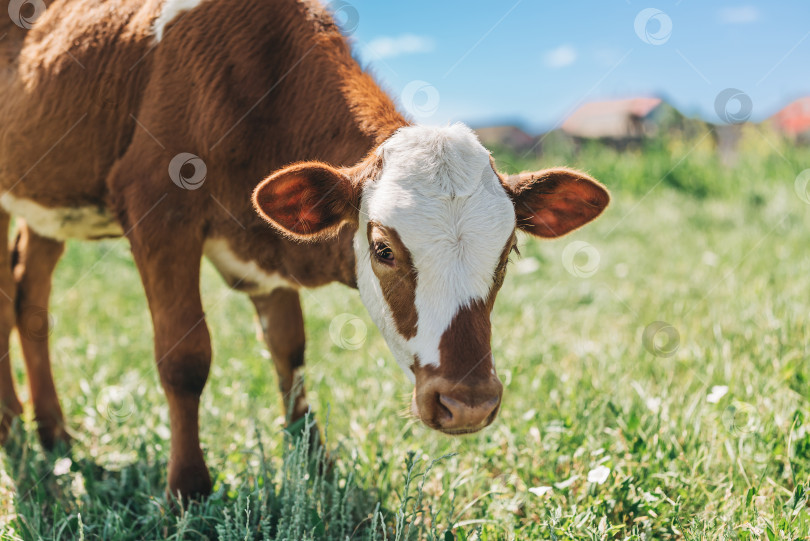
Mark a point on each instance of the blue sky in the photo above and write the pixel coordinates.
(533, 62)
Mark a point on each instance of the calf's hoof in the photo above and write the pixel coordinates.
(53, 435)
(9, 417)
(317, 446)
(298, 428)
(190, 482)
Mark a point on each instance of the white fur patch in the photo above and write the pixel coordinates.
(170, 10)
(246, 276)
(437, 189)
(63, 223)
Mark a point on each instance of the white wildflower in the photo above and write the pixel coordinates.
(541, 491)
(598, 475)
(62, 466)
(717, 392)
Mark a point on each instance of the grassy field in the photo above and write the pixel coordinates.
(655, 371)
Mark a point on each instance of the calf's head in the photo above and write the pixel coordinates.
(435, 226)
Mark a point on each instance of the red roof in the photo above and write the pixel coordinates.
(608, 118)
(795, 118)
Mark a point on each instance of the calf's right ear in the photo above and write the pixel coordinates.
(553, 202)
(307, 200)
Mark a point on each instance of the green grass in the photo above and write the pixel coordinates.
(717, 252)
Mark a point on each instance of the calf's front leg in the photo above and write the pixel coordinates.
(170, 271)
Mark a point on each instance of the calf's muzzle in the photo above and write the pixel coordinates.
(457, 407)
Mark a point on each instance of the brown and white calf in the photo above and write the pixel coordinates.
(100, 97)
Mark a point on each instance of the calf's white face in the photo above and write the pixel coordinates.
(435, 225)
(437, 192)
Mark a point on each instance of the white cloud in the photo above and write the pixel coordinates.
(562, 56)
(738, 15)
(391, 46)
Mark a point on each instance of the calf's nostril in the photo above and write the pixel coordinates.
(447, 406)
(449, 403)
(490, 404)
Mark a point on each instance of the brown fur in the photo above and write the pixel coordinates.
(398, 282)
(94, 111)
(307, 199)
(553, 202)
(36, 258)
(92, 115)
(310, 200)
(283, 330)
(10, 406)
(466, 373)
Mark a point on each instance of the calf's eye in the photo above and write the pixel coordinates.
(383, 252)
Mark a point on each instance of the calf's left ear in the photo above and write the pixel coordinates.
(307, 200)
(553, 202)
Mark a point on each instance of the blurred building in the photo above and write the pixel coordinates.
(617, 121)
(794, 120)
(510, 137)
